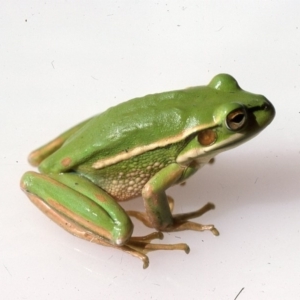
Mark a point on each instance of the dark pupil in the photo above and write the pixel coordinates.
(238, 118)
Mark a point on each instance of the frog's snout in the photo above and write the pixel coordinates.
(270, 110)
(265, 114)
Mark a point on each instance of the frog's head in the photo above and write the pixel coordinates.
(241, 115)
(233, 117)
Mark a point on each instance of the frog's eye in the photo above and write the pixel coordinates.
(236, 119)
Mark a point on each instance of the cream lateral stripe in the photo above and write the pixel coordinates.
(139, 150)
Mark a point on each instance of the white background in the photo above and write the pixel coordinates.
(63, 61)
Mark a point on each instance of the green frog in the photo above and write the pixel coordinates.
(141, 148)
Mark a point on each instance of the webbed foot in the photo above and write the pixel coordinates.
(140, 246)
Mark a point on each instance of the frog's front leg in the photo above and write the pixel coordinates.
(158, 213)
(88, 212)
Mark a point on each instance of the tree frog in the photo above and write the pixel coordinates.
(141, 148)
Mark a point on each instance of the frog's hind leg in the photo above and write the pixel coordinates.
(84, 210)
(137, 247)
(38, 155)
(75, 198)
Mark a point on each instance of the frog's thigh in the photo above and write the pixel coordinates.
(38, 155)
(155, 198)
(70, 199)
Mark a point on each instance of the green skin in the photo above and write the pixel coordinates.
(141, 147)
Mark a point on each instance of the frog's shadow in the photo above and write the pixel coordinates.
(248, 183)
(229, 185)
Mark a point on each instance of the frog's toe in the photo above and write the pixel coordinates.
(188, 225)
(181, 221)
(144, 245)
(140, 246)
(194, 214)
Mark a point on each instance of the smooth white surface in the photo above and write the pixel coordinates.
(63, 61)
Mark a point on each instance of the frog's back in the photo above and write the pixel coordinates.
(134, 124)
(143, 124)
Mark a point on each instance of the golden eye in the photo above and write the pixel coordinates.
(207, 137)
(236, 119)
